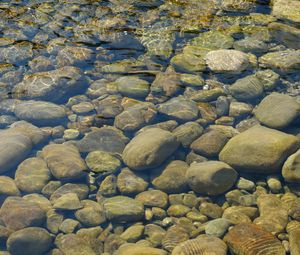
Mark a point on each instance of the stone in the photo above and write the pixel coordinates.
(206, 95)
(277, 110)
(222, 106)
(123, 209)
(132, 86)
(201, 245)
(178, 210)
(155, 234)
(8, 188)
(135, 249)
(286, 61)
(217, 227)
(273, 215)
(211, 177)
(54, 220)
(192, 80)
(107, 139)
(188, 63)
(64, 162)
(133, 233)
(251, 44)
(72, 55)
(239, 214)
(274, 184)
(239, 109)
(69, 201)
(69, 226)
(248, 88)
(294, 209)
(39, 199)
(153, 198)
(149, 149)
(102, 162)
(248, 239)
(54, 84)
(288, 10)
(82, 191)
(179, 109)
(29, 241)
(245, 184)
(174, 236)
(172, 178)
(15, 147)
(40, 113)
(71, 244)
(224, 61)
(293, 229)
(211, 210)
(238, 5)
(91, 215)
(258, 149)
(16, 54)
(187, 133)
(83, 108)
(269, 79)
(209, 144)
(17, 213)
(32, 175)
(135, 117)
(108, 186)
(129, 183)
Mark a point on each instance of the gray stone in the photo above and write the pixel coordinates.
(149, 149)
(217, 227)
(277, 110)
(211, 177)
(29, 241)
(259, 149)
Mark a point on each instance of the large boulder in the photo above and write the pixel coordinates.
(64, 162)
(259, 149)
(211, 177)
(149, 149)
(277, 110)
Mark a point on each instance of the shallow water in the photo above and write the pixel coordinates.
(83, 83)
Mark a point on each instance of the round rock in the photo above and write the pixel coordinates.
(149, 149)
(211, 177)
(291, 168)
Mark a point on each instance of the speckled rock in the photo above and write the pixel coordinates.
(172, 178)
(211, 177)
(29, 241)
(64, 161)
(259, 149)
(123, 209)
(17, 213)
(224, 61)
(149, 149)
(277, 110)
(32, 175)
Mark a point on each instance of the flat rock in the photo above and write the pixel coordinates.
(64, 162)
(250, 239)
(201, 245)
(286, 61)
(135, 249)
(149, 149)
(18, 213)
(51, 85)
(123, 209)
(29, 241)
(224, 61)
(32, 175)
(211, 177)
(277, 110)
(291, 168)
(288, 10)
(259, 149)
(40, 113)
(132, 86)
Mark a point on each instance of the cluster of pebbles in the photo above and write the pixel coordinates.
(122, 140)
